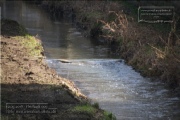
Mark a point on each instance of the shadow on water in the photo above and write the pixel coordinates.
(60, 39)
(119, 89)
(113, 84)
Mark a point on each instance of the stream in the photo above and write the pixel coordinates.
(96, 71)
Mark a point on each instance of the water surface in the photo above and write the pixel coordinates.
(97, 72)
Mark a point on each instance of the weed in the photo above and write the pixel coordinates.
(109, 116)
(92, 110)
(96, 105)
(88, 109)
(32, 44)
(94, 14)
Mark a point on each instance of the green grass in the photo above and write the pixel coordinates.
(32, 44)
(14, 29)
(96, 105)
(85, 109)
(108, 116)
(92, 110)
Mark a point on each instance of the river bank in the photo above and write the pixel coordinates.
(150, 48)
(25, 78)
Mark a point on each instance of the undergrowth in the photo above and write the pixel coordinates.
(152, 49)
(92, 110)
(32, 44)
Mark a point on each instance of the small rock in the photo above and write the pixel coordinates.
(29, 73)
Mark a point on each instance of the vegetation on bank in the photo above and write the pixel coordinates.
(152, 49)
(26, 78)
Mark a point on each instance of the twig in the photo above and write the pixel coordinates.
(156, 49)
(163, 40)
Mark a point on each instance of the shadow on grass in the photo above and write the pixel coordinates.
(12, 28)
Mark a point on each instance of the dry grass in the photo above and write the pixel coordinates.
(144, 47)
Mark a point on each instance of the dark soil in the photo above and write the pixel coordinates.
(27, 79)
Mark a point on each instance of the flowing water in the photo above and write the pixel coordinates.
(97, 72)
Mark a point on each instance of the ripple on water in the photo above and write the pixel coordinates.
(119, 89)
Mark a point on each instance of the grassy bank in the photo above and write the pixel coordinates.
(152, 49)
(25, 78)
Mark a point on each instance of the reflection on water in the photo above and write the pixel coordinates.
(60, 38)
(119, 89)
(110, 82)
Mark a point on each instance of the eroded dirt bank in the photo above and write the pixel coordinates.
(25, 78)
